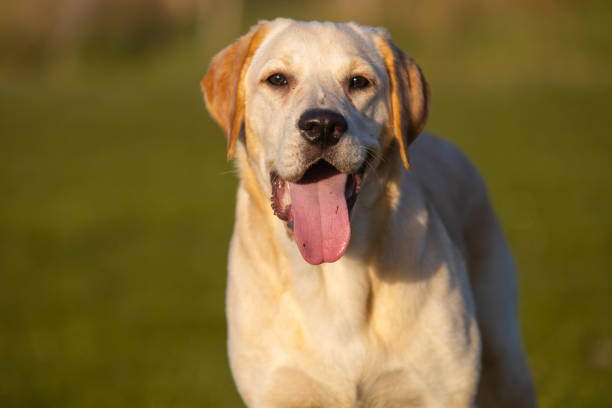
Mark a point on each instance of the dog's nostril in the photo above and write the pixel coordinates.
(322, 126)
(340, 127)
(308, 125)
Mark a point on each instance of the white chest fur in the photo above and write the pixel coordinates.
(349, 334)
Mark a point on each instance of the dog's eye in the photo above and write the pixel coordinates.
(358, 82)
(277, 80)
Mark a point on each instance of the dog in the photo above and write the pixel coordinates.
(366, 268)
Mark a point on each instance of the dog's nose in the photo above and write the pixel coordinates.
(322, 126)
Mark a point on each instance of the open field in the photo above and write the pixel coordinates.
(116, 206)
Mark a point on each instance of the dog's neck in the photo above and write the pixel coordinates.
(346, 289)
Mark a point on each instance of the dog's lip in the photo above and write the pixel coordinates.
(279, 189)
(315, 172)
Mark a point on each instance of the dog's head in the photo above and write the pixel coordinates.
(315, 105)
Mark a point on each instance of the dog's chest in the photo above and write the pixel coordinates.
(340, 335)
(340, 358)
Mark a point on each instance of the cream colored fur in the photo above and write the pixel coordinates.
(421, 309)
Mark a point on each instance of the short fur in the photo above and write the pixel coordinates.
(421, 309)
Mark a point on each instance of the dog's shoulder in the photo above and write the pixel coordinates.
(451, 182)
(440, 164)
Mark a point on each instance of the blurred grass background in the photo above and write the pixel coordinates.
(116, 202)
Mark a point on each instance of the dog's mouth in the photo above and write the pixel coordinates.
(317, 208)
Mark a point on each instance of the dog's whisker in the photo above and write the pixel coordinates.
(373, 157)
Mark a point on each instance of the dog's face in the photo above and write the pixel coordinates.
(316, 104)
(316, 91)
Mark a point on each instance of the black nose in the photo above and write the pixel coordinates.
(322, 126)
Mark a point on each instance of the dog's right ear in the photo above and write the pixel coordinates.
(223, 85)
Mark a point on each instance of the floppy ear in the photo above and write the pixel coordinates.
(223, 85)
(409, 95)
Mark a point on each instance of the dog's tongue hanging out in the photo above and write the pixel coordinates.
(320, 216)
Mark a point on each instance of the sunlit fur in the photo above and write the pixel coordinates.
(421, 309)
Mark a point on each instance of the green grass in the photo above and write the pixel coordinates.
(116, 207)
(115, 218)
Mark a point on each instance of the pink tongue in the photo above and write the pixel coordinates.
(320, 219)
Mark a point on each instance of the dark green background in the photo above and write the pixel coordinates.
(116, 202)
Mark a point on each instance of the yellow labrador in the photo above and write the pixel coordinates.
(366, 268)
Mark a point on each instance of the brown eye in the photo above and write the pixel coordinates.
(277, 80)
(358, 82)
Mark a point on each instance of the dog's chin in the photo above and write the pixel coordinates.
(281, 201)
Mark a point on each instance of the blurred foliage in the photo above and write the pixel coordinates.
(117, 203)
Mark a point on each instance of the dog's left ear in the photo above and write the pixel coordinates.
(223, 85)
(409, 95)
